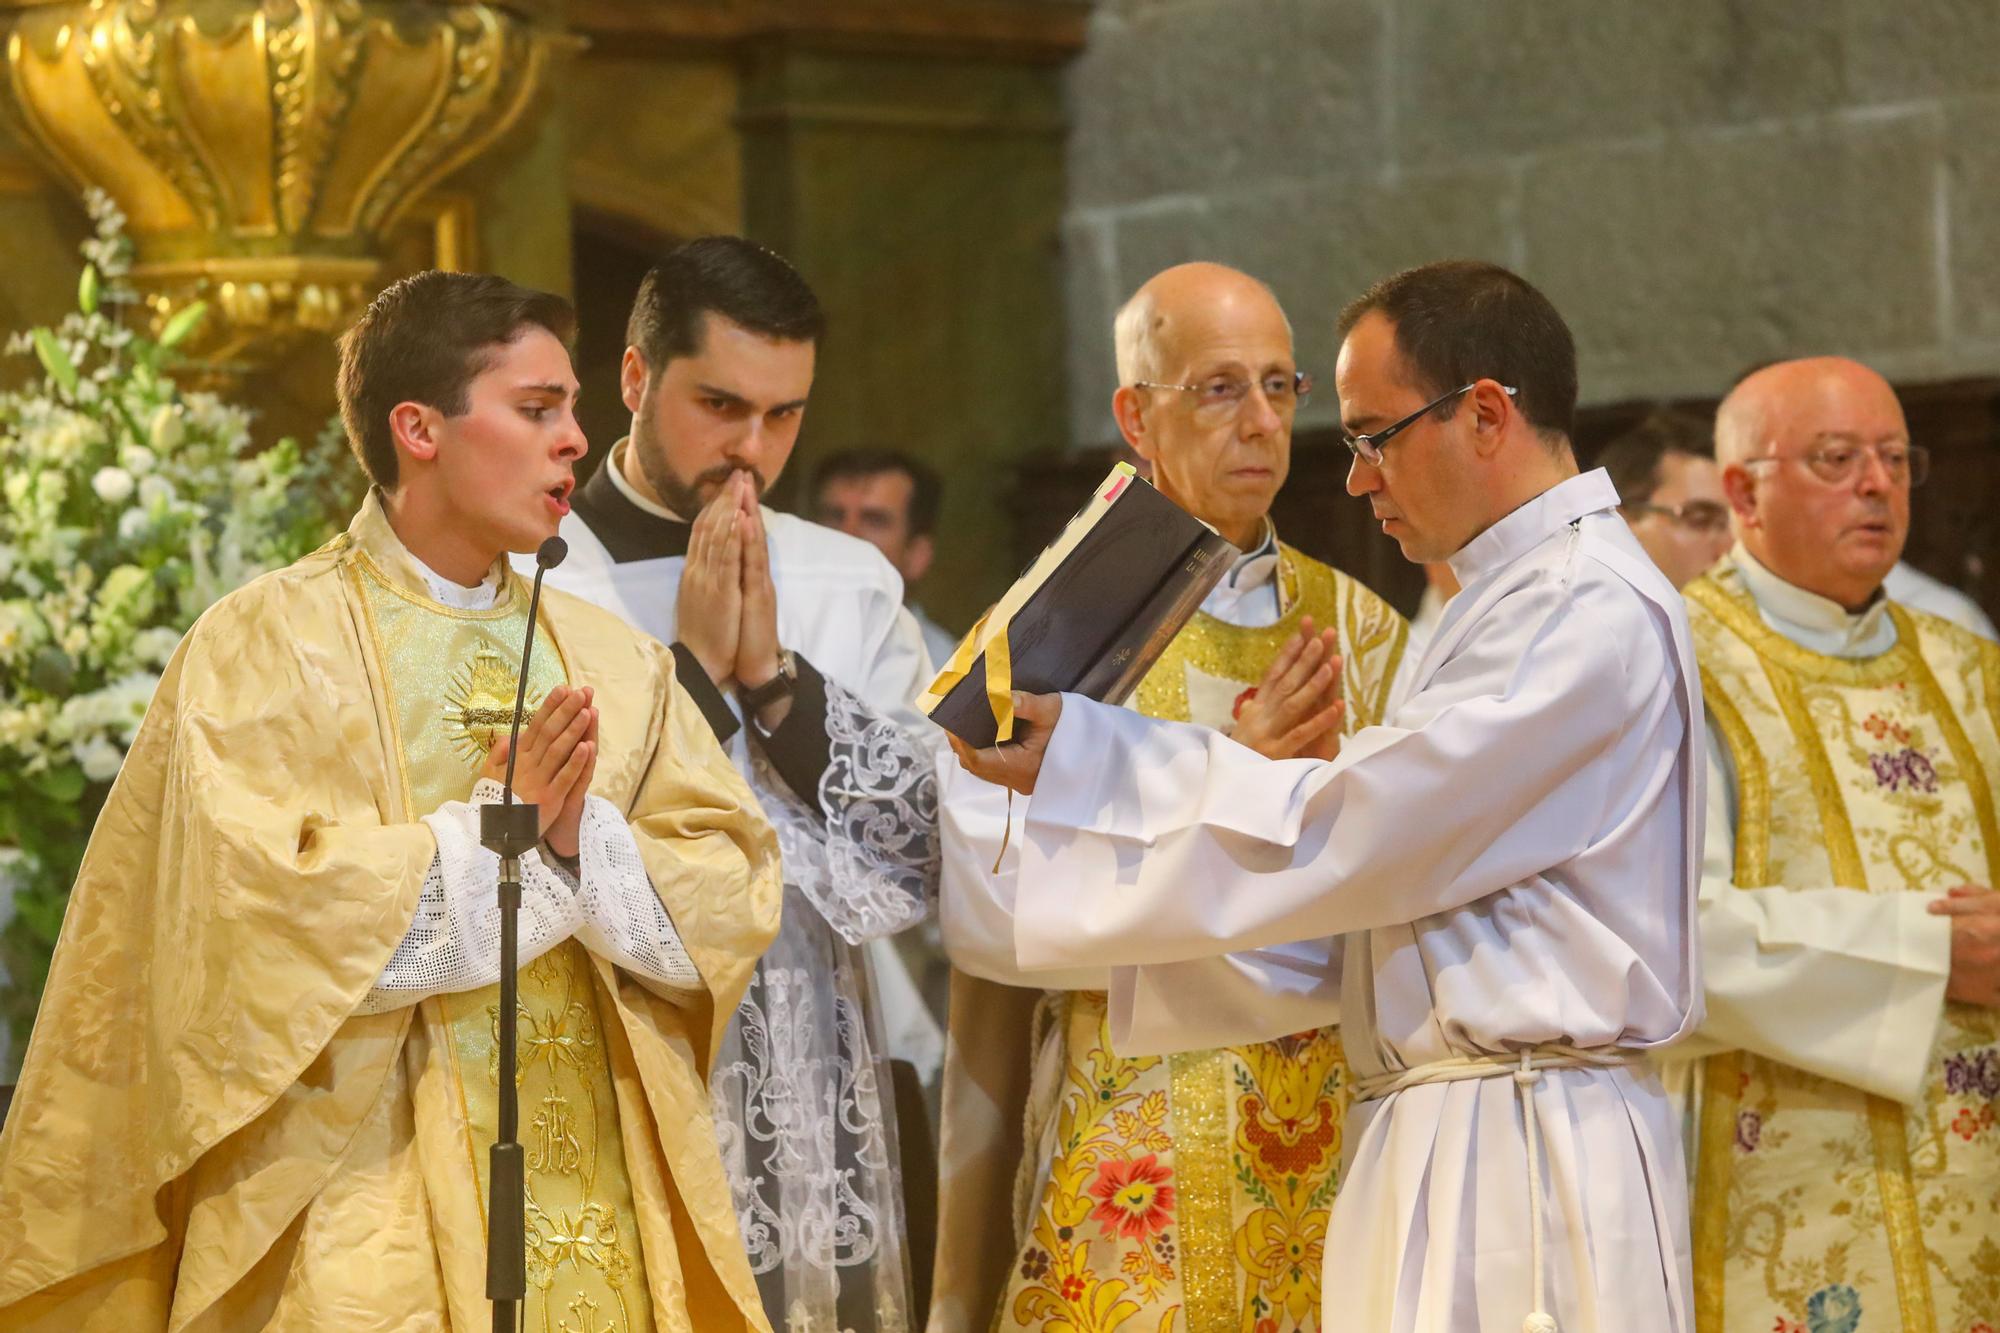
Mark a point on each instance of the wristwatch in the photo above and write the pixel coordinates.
(777, 687)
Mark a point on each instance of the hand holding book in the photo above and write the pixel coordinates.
(1017, 763)
(1089, 617)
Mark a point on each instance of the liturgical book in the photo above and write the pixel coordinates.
(1090, 616)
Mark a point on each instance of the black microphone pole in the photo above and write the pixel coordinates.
(510, 831)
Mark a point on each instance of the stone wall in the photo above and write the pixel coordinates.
(1698, 185)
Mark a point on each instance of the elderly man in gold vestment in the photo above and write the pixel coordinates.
(262, 1088)
(1187, 1192)
(1847, 1079)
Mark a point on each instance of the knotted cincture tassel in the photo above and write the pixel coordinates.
(1539, 1320)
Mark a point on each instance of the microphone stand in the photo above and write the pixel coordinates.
(510, 831)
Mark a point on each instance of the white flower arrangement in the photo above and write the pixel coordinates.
(130, 507)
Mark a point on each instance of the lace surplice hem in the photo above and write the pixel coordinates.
(806, 1120)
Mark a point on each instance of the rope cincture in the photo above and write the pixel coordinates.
(1526, 1073)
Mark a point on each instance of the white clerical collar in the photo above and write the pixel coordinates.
(615, 465)
(1530, 525)
(1812, 621)
(1257, 566)
(457, 595)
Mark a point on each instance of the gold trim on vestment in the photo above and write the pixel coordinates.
(1202, 1151)
(1785, 664)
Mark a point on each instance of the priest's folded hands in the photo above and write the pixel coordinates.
(558, 760)
(1294, 712)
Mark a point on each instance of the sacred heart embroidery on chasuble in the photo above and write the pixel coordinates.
(479, 704)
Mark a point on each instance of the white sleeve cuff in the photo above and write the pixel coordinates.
(453, 943)
(621, 917)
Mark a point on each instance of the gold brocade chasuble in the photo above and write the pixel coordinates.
(451, 678)
(1819, 1208)
(208, 1138)
(1191, 1192)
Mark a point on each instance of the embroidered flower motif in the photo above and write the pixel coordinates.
(1267, 1325)
(1236, 709)
(1834, 1309)
(1785, 1325)
(1908, 767)
(1968, 1124)
(1291, 1145)
(1981, 1327)
(1035, 1264)
(1134, 1198)
(1072, 1288)
(1881, 728)
(1973, 1073)
(1749, 1130)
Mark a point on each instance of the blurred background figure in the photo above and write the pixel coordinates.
(889, 499)
(1671, 492)
(1912, 587)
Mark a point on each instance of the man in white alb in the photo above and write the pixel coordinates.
(1511, 861)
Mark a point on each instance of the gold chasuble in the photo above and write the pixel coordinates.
(208, 1137)
(450, 679)
(1819, 1208)
(1191, 1192)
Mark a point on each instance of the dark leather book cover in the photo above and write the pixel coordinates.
(1090, 619)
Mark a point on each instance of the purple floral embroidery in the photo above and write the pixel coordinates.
(1974, 1073)
(1908, 767)
(1749, 1130)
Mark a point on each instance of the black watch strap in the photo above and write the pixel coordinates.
(777, 687)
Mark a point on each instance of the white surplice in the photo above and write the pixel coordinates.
(1513, 864)
(803, 1100)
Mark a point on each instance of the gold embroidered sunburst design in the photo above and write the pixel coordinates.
(479, 704)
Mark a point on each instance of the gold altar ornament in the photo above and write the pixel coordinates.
(260, 148)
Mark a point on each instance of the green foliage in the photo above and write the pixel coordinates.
(130, 507)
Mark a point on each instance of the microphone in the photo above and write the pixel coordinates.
(547, 556)
(510, 831)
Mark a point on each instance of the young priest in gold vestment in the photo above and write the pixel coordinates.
(1189, 1191)
(261, 1087)
(1847, 1167)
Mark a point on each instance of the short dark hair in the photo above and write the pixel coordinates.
(1633, 459)
(722, 275)
(1460, 320)
(926, 490)
(424, 340)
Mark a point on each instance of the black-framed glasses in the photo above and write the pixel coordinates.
(1707, 516)
(1224, 395)
(1368, 448)
(1838, 463)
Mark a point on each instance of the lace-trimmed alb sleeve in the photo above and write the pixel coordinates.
(623, 919)
(865, 851)
(453, 944)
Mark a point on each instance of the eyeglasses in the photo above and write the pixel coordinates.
(1221, 396)
(1704, 516)
(1368, 448)
(1838, 464)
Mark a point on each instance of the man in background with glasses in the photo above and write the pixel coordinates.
(1509, 863)
(1845, 1083)
(1201, 1182)
(1670, 491)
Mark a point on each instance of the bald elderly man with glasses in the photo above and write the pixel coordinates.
(1844, 1085)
